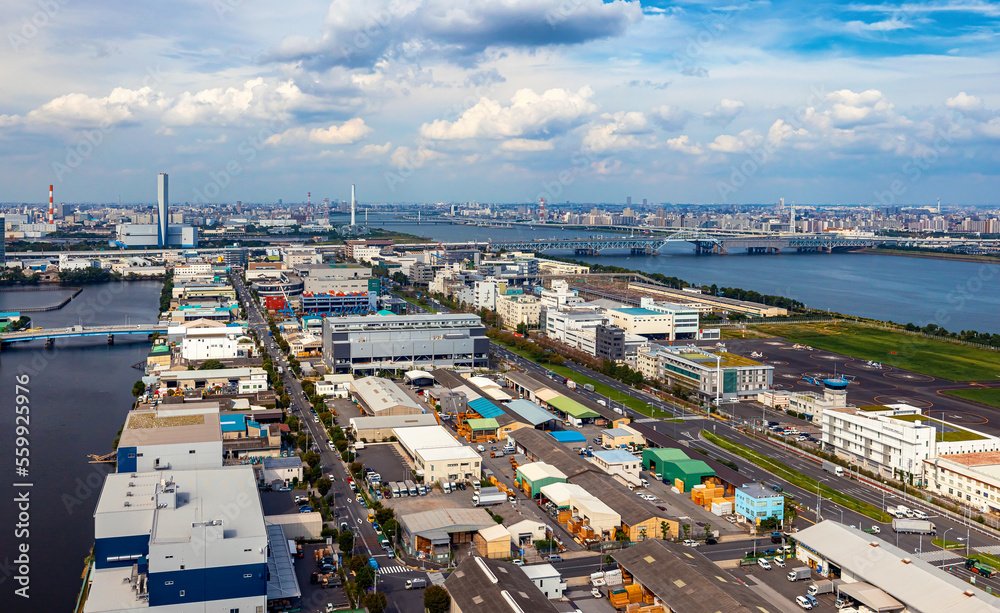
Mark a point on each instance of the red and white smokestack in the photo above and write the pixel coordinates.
(51, 208)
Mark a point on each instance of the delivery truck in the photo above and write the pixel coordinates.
(800, 573)
(488, 496)
(830, 467)
(913, 526)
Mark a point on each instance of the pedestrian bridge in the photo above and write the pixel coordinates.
(80, 331)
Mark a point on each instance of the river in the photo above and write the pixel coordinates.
(952, 294)
(80, 392)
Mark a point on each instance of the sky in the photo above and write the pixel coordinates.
(501, 101)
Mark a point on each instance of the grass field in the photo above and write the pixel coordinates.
(984, 395)
(924, 355)
(947, 437)
(807, 483)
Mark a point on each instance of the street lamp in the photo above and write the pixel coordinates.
(819, 497)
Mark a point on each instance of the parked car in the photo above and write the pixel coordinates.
(763, 563)
(596, 593)
(691, 543)
(803, 602)
(779, 562)
(555, 557)
(518, 562)
(306, 509)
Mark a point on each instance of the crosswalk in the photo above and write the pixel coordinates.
(938, 556)
(992, 549)
(389, 570)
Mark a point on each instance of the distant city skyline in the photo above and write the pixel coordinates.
(503, 101)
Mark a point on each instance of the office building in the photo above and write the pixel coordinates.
(517, 309)
(700, 371)
(188, 540)
(162, 209)
(609, 343)
(972, 479)
(376, 342)
(755, 503)
(180, 436)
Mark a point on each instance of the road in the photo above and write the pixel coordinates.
(346, 504)
(668, 434)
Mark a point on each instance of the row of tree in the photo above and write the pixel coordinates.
(971, 336)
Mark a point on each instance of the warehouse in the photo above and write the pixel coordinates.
(537, 445)
(493, 542)
(640, 520)
(490, 586)
(683, 580)
(685, 474)
(613, 438)
(379, 397)
(425, 437)
(530, 413)
(837, 551)
(379, 428)
(620, 464)
(448, 464)
(653, 460)
(585, 514)
(531, 478)
(574, 412)
(433, 533)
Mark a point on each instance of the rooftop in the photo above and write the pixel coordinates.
(380, 394)
(636, 311)
(921, 586)
(447, 521)
(615, 456)
(161, 428)
(491, 586)
(540, 470)
(530, 412)
(685, 580)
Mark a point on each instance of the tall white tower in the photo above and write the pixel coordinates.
(354, 204)
(163, 208)
(792, 223)
(939, 207)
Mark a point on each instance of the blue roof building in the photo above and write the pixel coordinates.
(755, 503)
(568, 436)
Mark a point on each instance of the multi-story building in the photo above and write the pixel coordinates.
(210, 340)
(609, 343)
(754, 503)
(297, 256)
(180, 436)
(559, 296)
(518, 309)
(375, 342)
(561, 324)
(188, 540)
(657, 321)
(970, 478)
(701, 371)
(896, 440)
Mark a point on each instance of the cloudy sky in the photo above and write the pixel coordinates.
(501, 100)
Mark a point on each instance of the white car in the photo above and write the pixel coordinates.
(481, 448)
(779, 562)
(596, 593)
(691, 543)
(803, 602)
(763, 563)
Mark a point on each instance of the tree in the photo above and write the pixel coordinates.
(376, 602)
(212, 365)
(346, 541)
(437, 599)
(686, 529)
(138, 389)
(365, 577)
(708, 530)
(664, 530)
(357, 562)
(522, 329)
(323, 485)
(383, 515)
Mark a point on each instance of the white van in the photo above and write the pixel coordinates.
(415, 584)
(763, 563)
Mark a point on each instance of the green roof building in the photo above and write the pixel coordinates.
(690, 472)
(654, 459)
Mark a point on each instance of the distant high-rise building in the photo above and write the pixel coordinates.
(644, 202)
(628, 200)
(3, 237)
(163, 206)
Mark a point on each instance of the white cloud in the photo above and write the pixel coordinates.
(256, 99)
(406, 157)
(684, 145)
(351, 131)
(618, 133)
(781, 131)
(724, 112)
(851, 108)
(670, 118)
(524, 144)
(376, 150)
(964, 102)
(80, 110)
(727, 143)
(529, 114)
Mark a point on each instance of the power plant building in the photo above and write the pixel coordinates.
(160, 234)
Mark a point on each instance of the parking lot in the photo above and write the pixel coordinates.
(776, 580)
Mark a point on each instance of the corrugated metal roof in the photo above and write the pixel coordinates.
(571, 407)
(919, 585)
(485, 408)
(482, 424)
(530, 412)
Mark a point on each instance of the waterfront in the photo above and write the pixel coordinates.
(80, 392)
(952, 294)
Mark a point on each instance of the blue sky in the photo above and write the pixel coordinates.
(501, 100)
